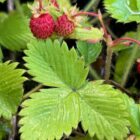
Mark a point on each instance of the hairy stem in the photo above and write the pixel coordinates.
(108, 62)
(86, 14)
(119, 40)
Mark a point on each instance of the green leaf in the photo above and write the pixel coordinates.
(3, 16)
(49, 114)
(55, 65)
(15, 32)
(2, 1)
(11, 89)
(135, 117)
(89, 51)
(92, 34)
(124, 10)
(103, 111)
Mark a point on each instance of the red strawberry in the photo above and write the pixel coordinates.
(54, 2)
(42, 27)
(64, 26)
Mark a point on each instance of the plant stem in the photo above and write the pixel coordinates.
(108, 62)
(14, 128)
(33, 90)
(10, 5)
(86, 14)
(89, 5)
(95, 20)
(18, 7)
(129, 65)
(110, 32)
(94, 73)
(119, 40)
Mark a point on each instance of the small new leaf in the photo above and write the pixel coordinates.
(55, 65)
(89, 51)
(49, 114)
(103, 111)
(11, 89)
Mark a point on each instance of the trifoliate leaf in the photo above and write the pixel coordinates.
(103, 111)
(11, 90)
(89, 51)
(15, 32)
(49, 114)
(55, 65)
(124, 10)
(92, 34)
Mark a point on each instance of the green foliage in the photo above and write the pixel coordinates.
(103, 111)
(124, 10)
(2, 16)
(92, 34)
(89, 51)
(2, 1)
(49, 114)
(135, 118)
(54, 65)
(11, 90)
(15, 32)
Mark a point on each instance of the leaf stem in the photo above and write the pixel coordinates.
(86, 14)
(32, 91)
(18, 7)
(94, 73)
(108, 62)
(10, 5)
(129, 65)
(89, 5)
(95, 20)
(119, 40)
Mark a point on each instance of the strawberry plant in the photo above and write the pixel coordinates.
(65, 72)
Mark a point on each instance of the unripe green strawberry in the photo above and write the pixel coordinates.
(64, 26)
(42, 26)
